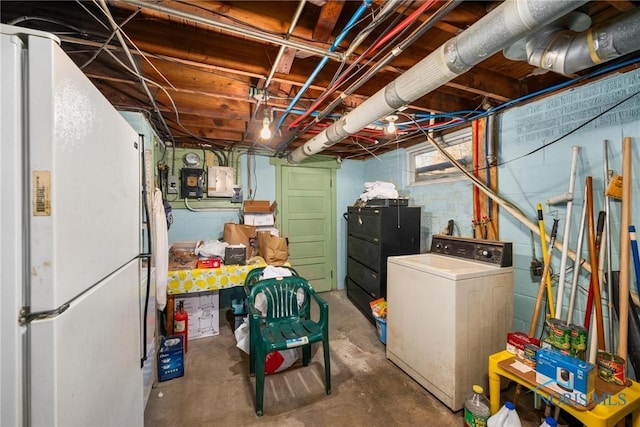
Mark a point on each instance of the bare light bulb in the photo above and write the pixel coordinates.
(265, 133)
(391, 127)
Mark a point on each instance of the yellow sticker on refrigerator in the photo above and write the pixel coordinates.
(41, 193)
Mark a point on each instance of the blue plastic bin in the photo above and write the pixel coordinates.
(381, 328)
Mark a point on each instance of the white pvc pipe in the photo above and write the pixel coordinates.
(577, 260)
(565, 236)
(560, 198)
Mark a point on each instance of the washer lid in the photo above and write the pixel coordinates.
(448, 267)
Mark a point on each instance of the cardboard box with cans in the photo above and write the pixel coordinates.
(516, 341)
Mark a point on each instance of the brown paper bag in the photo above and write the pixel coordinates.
(241, 234)
(273, 249)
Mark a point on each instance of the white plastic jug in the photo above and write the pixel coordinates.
(505, 417)
(549, 422)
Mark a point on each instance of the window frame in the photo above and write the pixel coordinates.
(461, 136)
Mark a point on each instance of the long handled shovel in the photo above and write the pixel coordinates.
(541, 288)
(539, 298)
(546, 254)
(625, 245)
(607, 242)
(598, 240)
(593, 259)
(634, 323)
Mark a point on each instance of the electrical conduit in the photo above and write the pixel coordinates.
(365, 4)
(276, 63)
(409, 20)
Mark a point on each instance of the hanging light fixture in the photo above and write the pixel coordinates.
(265, 133)
(391, 127)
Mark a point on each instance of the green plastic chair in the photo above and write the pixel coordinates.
(286, 324)
(253, 276)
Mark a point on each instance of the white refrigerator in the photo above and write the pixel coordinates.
(69, 244)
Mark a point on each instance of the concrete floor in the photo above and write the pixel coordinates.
(367, 389)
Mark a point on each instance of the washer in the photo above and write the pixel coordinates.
(448, 310)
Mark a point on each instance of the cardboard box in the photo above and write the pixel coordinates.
(171, 358)
(203, 311)
(235, 255)
(566, 375)
(209, 263)
(259, 220)
(182, 256)
(259, 206)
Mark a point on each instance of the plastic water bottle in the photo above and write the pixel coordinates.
(476, 408)
(549, 422)
(505, 417)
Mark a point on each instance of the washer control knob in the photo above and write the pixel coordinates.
(487, 254)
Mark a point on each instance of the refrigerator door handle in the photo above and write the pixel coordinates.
(26, 316)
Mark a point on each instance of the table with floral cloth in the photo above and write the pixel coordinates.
(210, 279)
(206, 279)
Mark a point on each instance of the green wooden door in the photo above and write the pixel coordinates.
(306, 213)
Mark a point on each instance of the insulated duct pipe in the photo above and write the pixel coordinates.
(507, 23)
(566, 52)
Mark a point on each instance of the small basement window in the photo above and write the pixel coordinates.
(427, 164)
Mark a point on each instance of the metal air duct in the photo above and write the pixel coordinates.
(507, 23)
(567, 52)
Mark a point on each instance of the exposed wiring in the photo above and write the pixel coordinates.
(573, 130)
(120, 32)
(384, 38)
(417, 33)
(86, 9)
(352, 22)
(49, 20)
(468, 174)
(106, 43)
(223, 209)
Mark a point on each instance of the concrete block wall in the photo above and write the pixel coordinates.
(526, 179)
(440, 201)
